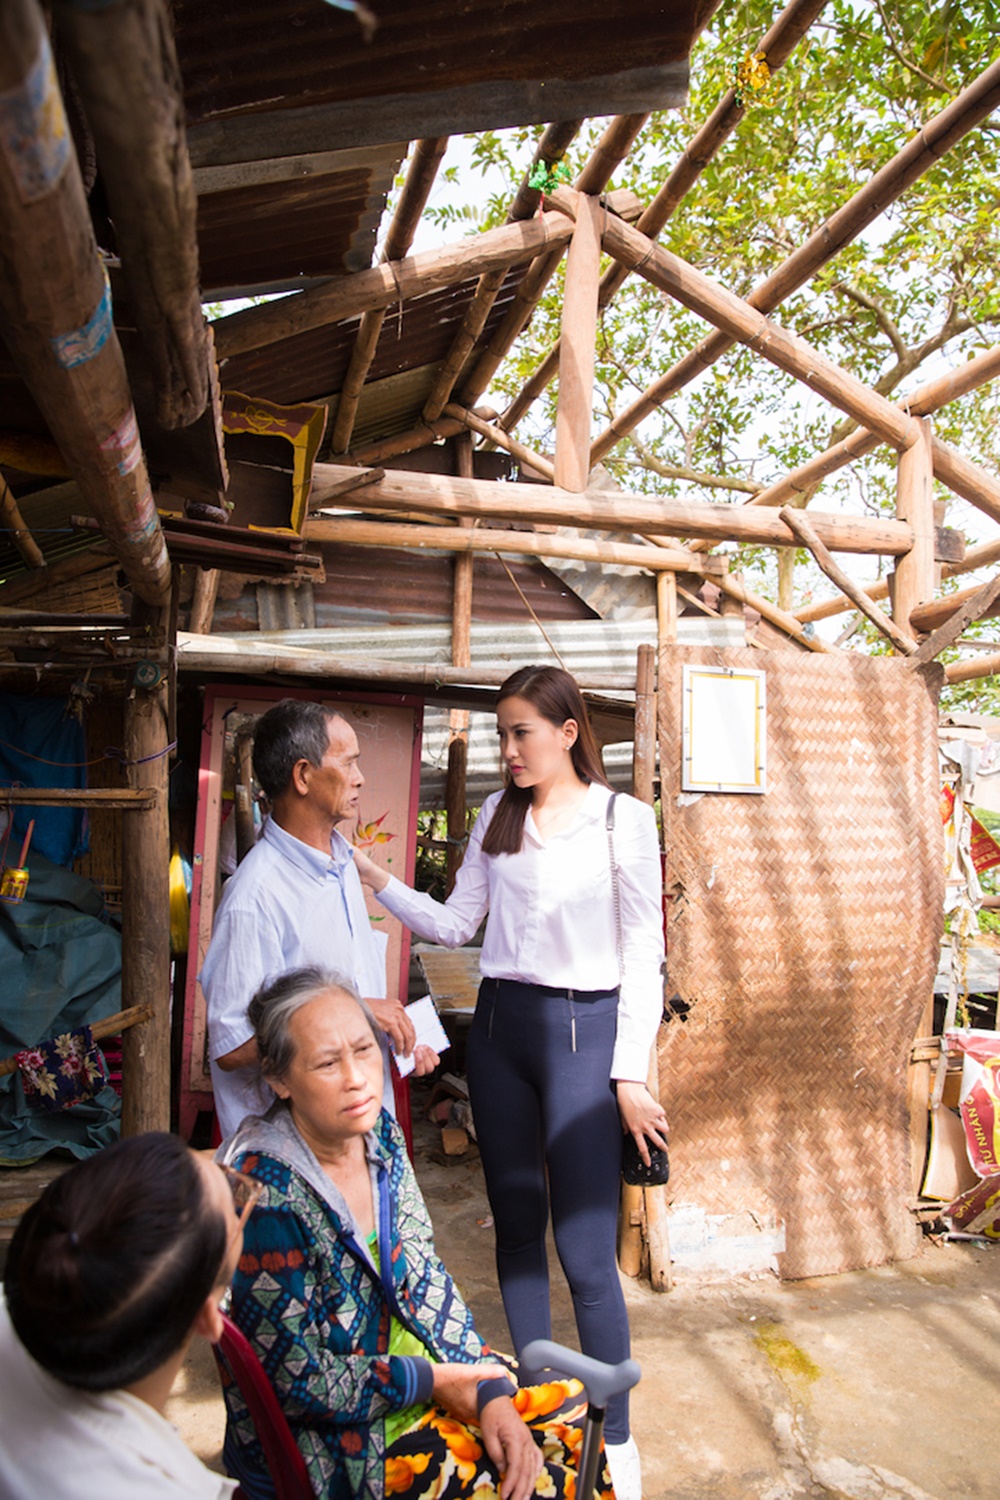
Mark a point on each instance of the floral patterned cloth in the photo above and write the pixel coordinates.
(64, 1071)
(440, 1458)
(316, 1311)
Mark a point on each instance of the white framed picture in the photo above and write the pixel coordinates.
(724, 730)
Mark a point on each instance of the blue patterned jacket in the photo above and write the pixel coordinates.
(315, 1308)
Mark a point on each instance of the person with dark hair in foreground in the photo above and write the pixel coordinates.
(571, 998)
(121, 1261)
(374, 1357)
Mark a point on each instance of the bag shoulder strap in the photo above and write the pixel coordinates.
(609, 823)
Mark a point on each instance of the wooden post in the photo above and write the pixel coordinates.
(666, 608)
(579, 335)
(918, 1099)
(461, 656)
(914, 575)
(145, 929)
(655, 1206)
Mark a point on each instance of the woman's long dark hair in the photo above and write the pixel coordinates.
(556, 696)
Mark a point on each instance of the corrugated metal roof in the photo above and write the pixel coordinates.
(267, 55)
(417, 337)
(273, 232)
(366, 587)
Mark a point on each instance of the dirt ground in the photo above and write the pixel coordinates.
(867, 1386)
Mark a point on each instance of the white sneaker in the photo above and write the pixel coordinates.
(625, 1469)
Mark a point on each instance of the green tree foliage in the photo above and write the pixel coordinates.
(917, 293)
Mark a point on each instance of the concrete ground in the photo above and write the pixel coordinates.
(867, 1386)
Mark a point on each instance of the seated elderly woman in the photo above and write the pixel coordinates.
(372, 1352)
(122, 1260)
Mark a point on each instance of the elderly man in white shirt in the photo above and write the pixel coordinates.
(295, 901)
(109, 1276)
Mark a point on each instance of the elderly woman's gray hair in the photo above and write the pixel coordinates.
(275, 1003)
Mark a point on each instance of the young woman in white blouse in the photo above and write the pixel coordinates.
(560, 1045)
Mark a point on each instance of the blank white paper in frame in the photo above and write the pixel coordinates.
(724, 735)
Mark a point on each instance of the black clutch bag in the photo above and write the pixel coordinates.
(634, 1169)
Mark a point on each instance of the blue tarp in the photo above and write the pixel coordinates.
(40, 745)
(60, 968)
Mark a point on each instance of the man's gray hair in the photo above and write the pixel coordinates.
(276, 1002)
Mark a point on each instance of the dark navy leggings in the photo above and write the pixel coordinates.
(539, 1062)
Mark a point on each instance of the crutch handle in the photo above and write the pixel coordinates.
(602, 1381)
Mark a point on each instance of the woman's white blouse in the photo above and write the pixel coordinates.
(551, 913)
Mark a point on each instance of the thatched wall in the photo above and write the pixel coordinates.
(803, 934)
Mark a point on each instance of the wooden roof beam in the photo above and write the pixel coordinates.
(610, 151)
(807, 535)
(443, 495)
(926, 616)
(525, 456)
(975, 605)
(549, 152)
(969, 480)
(350, 296)
(55, 311)
(125, 66)
(462, 539)
(13, 523)
(963, 114)
(780, 41)
(745, 324)
(420, 176)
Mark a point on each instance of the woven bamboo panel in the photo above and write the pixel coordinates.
(803, 936)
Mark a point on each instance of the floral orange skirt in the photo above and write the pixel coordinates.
(439, 1458)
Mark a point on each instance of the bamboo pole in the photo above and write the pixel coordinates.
(408, 537)
(421, 436)
(444, 495)
(524, 456)
(978, 603)
(145, 930)
(120, 1022)
(461, 656)
(128, 799)
(609, 152)
(732, 584)
(923, 402)
(32, 455)
(348, 296)
(921, 152)
(125, 65)
(796, 521)
(786, 33)
(420, 176)
(55, 310)
(924, 618)
(969, 671)
(746, 325)
(550, 150)
(579, 335)
(206, 589)
(936, 612)
(13, 523)
(913, 581)
(215, 653)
